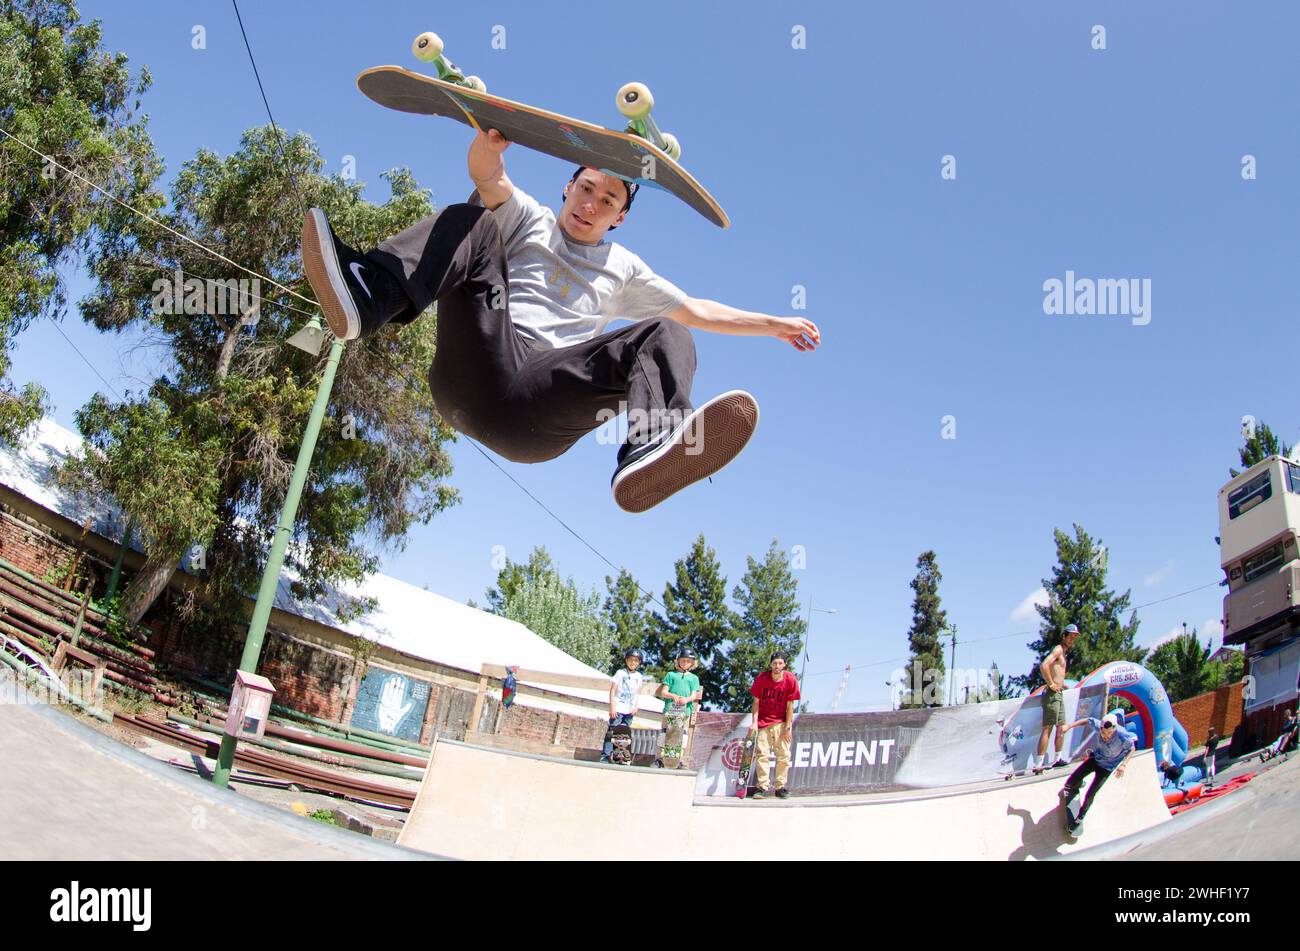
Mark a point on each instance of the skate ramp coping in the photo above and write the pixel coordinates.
(478, 803)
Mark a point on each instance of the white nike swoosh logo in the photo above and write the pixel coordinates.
(355, 268)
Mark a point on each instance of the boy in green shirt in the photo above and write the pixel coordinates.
(680, 691)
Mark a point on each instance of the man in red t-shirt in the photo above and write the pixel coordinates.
(774, 692)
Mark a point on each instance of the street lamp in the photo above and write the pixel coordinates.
(310, 339)
(951, 631)
(807, 634)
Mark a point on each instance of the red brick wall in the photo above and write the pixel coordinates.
(1219, 708)
(33, 548)
(307, 678)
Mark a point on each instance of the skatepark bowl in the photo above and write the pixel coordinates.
(83, 795)
(478, 803)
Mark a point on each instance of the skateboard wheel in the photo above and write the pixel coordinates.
(671, 146)
(634, 100)
(473, 82)
(427, 47)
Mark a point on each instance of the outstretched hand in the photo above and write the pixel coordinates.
(494, 140)
(799, 332)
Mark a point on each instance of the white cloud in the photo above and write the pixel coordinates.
(1169, 635)
(1213, 628)
(1159, 575)
(1024, 611)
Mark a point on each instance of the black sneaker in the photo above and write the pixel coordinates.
(758, 794)
(356, 297)
(704, 442)
(783, 793)
(1060, 764)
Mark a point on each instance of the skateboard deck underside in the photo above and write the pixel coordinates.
(581, 143)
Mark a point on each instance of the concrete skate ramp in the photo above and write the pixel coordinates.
(70, 793)
(477, 803)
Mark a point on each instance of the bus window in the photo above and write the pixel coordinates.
(1265, 561)
(1293, 477)
(1245, 498)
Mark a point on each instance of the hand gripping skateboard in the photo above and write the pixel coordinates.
(674, 738)
(640, 153)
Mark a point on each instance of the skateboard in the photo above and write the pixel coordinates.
(641, 153)
(1073, 824)
(746, 766)
(620, 739)
(674, 739)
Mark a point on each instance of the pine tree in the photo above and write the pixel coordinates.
(923, 679)
(696, 615)
(768, 598)
(1183, 666)
(626, 619)
(1077, 594)
(1260, 443)
(515, 574)
(559, 613)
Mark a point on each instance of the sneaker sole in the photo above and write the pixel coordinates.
(727, 422)
(321, 264)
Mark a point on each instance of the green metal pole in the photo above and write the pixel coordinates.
(117, 565)
(275, 561)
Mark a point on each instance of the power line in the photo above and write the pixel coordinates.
(150, 218)
(279, 144)
(1212, 584)
(55, 325)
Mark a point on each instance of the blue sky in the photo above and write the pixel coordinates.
(1117, 163)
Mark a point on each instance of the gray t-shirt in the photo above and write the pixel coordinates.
(563, 292)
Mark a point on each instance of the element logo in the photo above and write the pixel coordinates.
(732, 753)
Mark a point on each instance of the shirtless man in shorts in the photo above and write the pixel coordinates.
(1053, 672)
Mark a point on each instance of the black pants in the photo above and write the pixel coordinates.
(523, 399)
(1075, 783)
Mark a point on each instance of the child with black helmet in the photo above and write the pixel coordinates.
(623, 692)
(680, 691)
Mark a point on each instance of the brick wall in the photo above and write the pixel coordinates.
(307, 677)
(32, 547)
(1219, 708)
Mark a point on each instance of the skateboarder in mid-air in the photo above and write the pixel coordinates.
(524, 362)
(1114, 746)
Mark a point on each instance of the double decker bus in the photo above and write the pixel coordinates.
(1259, 528)
(1259, 550)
